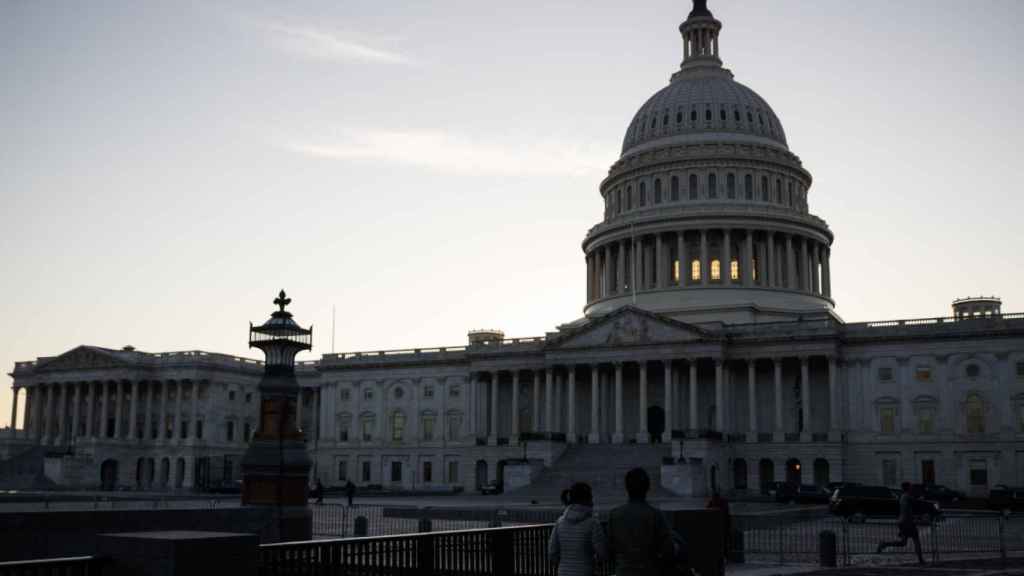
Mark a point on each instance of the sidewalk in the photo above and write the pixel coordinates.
(987, 567)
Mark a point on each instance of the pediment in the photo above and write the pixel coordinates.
(82, 358)
(632, 327)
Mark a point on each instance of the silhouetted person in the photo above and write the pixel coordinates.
(350, 491)
(319, 491)
(639, 538)
(719, 502)
(564, 497)
(577, 539)
(906, 525)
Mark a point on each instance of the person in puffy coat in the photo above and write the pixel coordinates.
(578, 540)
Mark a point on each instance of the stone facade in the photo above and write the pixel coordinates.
(709, 332)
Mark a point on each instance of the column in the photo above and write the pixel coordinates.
(719, 397)
(118, 408)
(548, 383)
(62, 401)
(833, 404)
(492, 437)
(37, 410)
(104, 403)
(666, 436)
(752, 398)
(790, 264)
(515, 408)
(826, 272)
(318, 406)
(770, 277)
(815, 265)
(726, 257)
(590, 277)
(704, 271)
(45, 420)
(178, 393)
(90, 430)
(748, 261)
(617, 438)
(621, 265)
(595, 431)
(148, 419)
(536, 401)
(642, 436)
(193, 433)
(636, 277)
(780, 432)
(659, 261)
(571, 426)
(805, 398)
(162, 417)
(14, 413)
(694, 423)
(557, 423)
(609, 271)
(76, 410)
(684, 267)
(805, 268)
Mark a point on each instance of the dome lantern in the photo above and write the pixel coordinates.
(700, 38)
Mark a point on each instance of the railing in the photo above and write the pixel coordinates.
(520, 550)
(72, 566)
(339, 521)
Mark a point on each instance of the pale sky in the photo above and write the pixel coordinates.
(428, 168)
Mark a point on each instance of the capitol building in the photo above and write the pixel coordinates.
(709, 352)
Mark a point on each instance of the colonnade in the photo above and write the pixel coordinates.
(54, 411)
(709, 257)
(546, 412)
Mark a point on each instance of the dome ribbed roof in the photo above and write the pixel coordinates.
(703, 106)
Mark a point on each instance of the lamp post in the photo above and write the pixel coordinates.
(275, 468)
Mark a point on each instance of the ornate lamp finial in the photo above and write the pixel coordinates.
(282, 300)
(700, 8)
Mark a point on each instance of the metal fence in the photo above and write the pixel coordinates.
(73, 566)
(339, 520)
(954, 536)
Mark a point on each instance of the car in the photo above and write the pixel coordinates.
(833, 486)
(1007, 498)
(811, 494)
(490, 488)
(938, 493)
(780, 491)
(857, 503)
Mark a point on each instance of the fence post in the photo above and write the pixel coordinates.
(827, 549)
(778, 533)
(1002, 539)
(361, 526)
(846, 541)
(935, 541)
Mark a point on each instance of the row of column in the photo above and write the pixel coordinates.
(762, 258)
(548, 376)
(53, 411)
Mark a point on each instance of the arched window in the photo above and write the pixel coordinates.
(734, 270)
(736, 115)
(693, 186)
(721, 114)
(654, 122)
(679, 117)
(748, 187)
(750, 117)
(764, 188)
(629, 198)
(643, 193)
(664, 120)
(397, 426)
(778, 191)
(657, 190)
(730, 185)
(675, 188)
(712, 185)
(618, 201)
(707, 115)
(716, 270)
(695, 270)
(791, 194)
(693, 115)
(975, 412)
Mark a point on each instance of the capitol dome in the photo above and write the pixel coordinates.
(706, 215)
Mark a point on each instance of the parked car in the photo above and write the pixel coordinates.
(1003, 497)
(833, 486)
(938, 493)
(858, 503)
(780, 491)
(490, 488)
(811, 494)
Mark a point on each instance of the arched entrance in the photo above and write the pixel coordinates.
(165, 472)
(793, 473)
(499, 475)
(821, 472)
(766, 472)
(179, 473)
(140, 473)
(655, 422)
(108, 474)
(150, 472)
(481, 474)
(739, 474)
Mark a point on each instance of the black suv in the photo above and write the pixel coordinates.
(938, 493)
(860, 502)
(1003, 497)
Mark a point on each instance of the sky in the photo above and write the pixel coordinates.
(416, 170)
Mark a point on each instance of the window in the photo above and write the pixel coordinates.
(1020, 417)
(675, 196)
(454, 392)
(695, 270)
(975, 411)
(428, 391)
(343, 427)
(396, 471)
(721, 114)
(657, 190)
(736, 115)
(453, 472)
(972, 371)
(979, 473)
(346, 394)
(367, 428)
(928, 472)
(734, 270)
(183, 430)
(367, 393)
(629, 197)
(679, 117)
(248, 397)
(247, 432)
(923, 373)
(790, 193)
(887, 419)
(454, 426)
(342, 470)
(397, 426)
(778, 191)
(693, 115)
(885, 374)
(618, 201)
(428, 427)
(654, 122)
(1020, 370)
(764, 188)
(229, 433)
(750, 117)
(716, 270)
(675, 270)
(693, 186)
(399, 393)
(748, 187)
(366, 472)
(428, 472)
(199, 429)
(643, 193)
(707, 115)
(712, 185)
(730, 185)
(231, 395)
(890, 471)
(664, 119)
(926, 420)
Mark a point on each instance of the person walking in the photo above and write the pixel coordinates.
(350, 491)
(577, 540)
(719, 502)
(906, 525)
(639, 538)
(319, 491)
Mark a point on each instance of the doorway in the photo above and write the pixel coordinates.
(655, 422)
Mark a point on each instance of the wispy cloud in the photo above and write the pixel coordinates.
(320, 44)
(459, 154)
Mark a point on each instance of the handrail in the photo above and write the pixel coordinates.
(358, 539)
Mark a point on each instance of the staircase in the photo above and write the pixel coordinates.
(24, 471)
(604, 467)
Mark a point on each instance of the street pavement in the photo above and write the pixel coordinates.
(973, 567)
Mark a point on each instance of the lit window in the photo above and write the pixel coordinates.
(716, 270)
(734, 270)
(885, 374)
(695, 270)
(975, 409)
(712, 185)
(926, 420)
(428, 391)
(753, 269)
(923, 373)
(887, 419)
(428, 427)
(675, 188)
(675, 270)
(397, 426)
